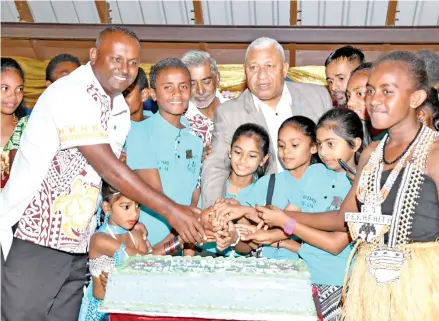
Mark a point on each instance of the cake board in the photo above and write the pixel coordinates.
(131, 317)
(195, 288)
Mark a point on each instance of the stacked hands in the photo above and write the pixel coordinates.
(227, 222)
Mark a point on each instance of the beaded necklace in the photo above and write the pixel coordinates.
(385, 259)
(368, 188)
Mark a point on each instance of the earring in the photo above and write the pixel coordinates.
(107, 216)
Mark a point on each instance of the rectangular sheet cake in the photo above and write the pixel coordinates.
(212, 288)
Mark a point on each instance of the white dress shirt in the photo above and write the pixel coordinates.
(275, 117)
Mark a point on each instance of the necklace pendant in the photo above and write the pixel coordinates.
(385, 264)
(368, 225)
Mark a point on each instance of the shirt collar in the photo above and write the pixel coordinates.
(220, 97)
(170, 128)
(284, 99)
(119, 104)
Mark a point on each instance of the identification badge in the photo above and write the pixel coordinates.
(368, 224)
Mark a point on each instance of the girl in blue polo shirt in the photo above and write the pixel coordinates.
(296, 150)
(162, 150)
(323, 188)
(249, 160)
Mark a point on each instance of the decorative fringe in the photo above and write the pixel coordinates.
(415, 296)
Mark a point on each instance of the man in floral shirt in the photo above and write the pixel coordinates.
(205, 97)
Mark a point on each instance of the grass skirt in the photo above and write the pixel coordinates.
(415, 296)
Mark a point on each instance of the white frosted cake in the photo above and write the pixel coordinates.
(211, 288)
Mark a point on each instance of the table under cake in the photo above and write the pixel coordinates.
(157, 288)
(131, 317)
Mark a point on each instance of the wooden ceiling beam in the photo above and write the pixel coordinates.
(24, 11)
(38, 48)
(391, 12)
(103, 10)
(293, 12)
(231, 34)
(198, 12)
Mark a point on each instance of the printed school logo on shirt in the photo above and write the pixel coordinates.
(335, 204)
(193, 161)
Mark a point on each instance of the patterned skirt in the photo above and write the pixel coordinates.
(329, 300)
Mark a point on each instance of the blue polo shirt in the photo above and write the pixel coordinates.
(324, 190)
(175, 153)
(286, 190)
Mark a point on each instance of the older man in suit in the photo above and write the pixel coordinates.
(268, 101)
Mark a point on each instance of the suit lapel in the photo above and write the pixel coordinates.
(257, 117)
(254, 115)
(295, 105)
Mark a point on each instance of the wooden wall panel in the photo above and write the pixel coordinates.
(80, 49)
(17, 47)
(155, 51)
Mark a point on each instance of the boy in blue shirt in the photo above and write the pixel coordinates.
(162, 150)
(135, 95)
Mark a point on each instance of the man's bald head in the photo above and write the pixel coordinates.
(115, 59)
(114, 29)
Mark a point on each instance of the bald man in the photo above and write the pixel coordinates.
(72, 142)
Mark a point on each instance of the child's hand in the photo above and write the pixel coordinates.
(350, 176)
(246, 230)
(226, 237)
(228, 212)
(272, 216)
(206, 151)
(207, 218)
(258, 236)
(104, 279)
(290, 207)
(149, 247)
(123, 156)
(211, 237)
(220, 201)
(142, 229)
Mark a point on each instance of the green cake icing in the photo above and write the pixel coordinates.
(199, 265)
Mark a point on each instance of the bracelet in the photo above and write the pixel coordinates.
(237, 240)
(173, 246)
(278, 243)
(289, 227)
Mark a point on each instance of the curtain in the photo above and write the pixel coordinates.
(232, 77)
